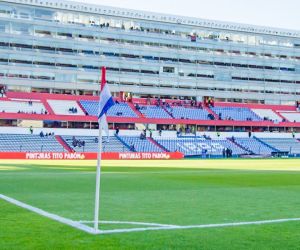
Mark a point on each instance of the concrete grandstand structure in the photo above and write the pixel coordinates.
(59, 47)
(193, 85)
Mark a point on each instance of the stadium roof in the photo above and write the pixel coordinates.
(145, 15)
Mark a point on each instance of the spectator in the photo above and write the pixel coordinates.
(160, 132)
(142, 136)
(224, 152)
(31, 130)
(150, 131)
(249, 134)
(137, 106)
(227, 152)
(117, 130)
(132, 148)
(41, 134)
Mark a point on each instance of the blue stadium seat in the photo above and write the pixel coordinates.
(194, 146)
(189, 113)
(154, 112)
(144, 145)
(91, 144)
(29, 143)
(237, 114)
(255, 146)
(118, 110)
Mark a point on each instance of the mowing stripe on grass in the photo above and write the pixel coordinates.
(155, 226)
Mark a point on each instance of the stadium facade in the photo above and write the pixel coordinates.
(59, 47)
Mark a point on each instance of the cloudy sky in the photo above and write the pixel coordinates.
(273, 13)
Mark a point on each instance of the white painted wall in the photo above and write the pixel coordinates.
(169, 134)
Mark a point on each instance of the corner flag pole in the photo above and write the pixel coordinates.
(98, 179)
(98, 174)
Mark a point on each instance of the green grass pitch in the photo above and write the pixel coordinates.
(185, 192)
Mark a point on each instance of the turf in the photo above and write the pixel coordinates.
(188, 192)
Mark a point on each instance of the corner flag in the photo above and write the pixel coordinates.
(105, 103)
(106, 100)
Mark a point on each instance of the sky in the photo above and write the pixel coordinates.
(271, 13)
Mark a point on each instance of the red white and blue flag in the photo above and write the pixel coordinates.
(106, 99)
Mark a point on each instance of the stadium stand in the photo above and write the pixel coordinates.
(29, 143)
(254, 146)
(120, 109)
(189, 113)
(195, 146)
(91, 144)
(267, 114)
(30, 107)
(236, 114)
(290, 145)
(291, 116)
(140, 145)
(154, 112)
(64, 107)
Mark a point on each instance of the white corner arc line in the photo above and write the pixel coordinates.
(55, 217)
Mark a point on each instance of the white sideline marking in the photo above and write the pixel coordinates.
(129, 223)
(155, 226)
(197, 226)
(55, 217)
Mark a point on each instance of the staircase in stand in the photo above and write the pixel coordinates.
(157, 144)
(169, 113)
(211, 112)
(47, 107)
(64, 144)
(240, 146)
(82, 108)
(277, 113)
(138, 113)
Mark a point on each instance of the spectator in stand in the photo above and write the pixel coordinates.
(2, 92)
(117, 130)
(150, 133)
(200, 105)
(249, 134)
(132, 148)
(160, 132)
(31, 130)
(137, 107)
(224, 152)
(227, 152)
(294, 134)
(41, 134)
(142, 136)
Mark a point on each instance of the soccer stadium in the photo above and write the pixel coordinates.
(192, 126)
